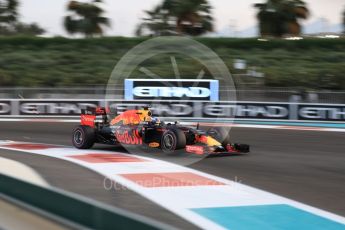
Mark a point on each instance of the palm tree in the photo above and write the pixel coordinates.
(192, 17)
(281, 17)
(86, 18)
(9, 23)
(8, 12)
(157, 22)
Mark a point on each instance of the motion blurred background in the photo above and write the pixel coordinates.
(287, 61)
(277, 50)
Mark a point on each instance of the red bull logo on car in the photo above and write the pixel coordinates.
(129, 138)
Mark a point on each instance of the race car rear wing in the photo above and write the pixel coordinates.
(88, 115)
(95, 111)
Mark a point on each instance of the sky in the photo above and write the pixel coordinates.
(125, 15)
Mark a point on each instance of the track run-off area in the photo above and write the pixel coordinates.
(298, 174)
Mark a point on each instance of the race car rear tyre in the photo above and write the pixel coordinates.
(83, 137)
(221, 134)
(173, 140)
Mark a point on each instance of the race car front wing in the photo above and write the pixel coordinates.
(230, 149)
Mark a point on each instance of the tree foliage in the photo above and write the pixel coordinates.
(278, 18)
(85, 18)
(192, 17)
(35, 61)
(24, 29)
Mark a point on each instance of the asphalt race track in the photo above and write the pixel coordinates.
(307, 166)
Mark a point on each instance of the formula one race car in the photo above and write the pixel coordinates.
(139, 128)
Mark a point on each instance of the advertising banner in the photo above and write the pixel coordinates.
(5, 107)
(246, 110)
(171, 89)
(179, 109)
(54, 107)
(321, 112)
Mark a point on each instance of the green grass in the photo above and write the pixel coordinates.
(309, 63)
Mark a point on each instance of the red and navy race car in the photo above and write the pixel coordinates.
(139, 128)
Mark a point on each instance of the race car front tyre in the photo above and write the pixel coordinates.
(173, 140)
(221, 134)
(83, 137)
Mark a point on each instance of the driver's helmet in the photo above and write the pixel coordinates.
(155, 120)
